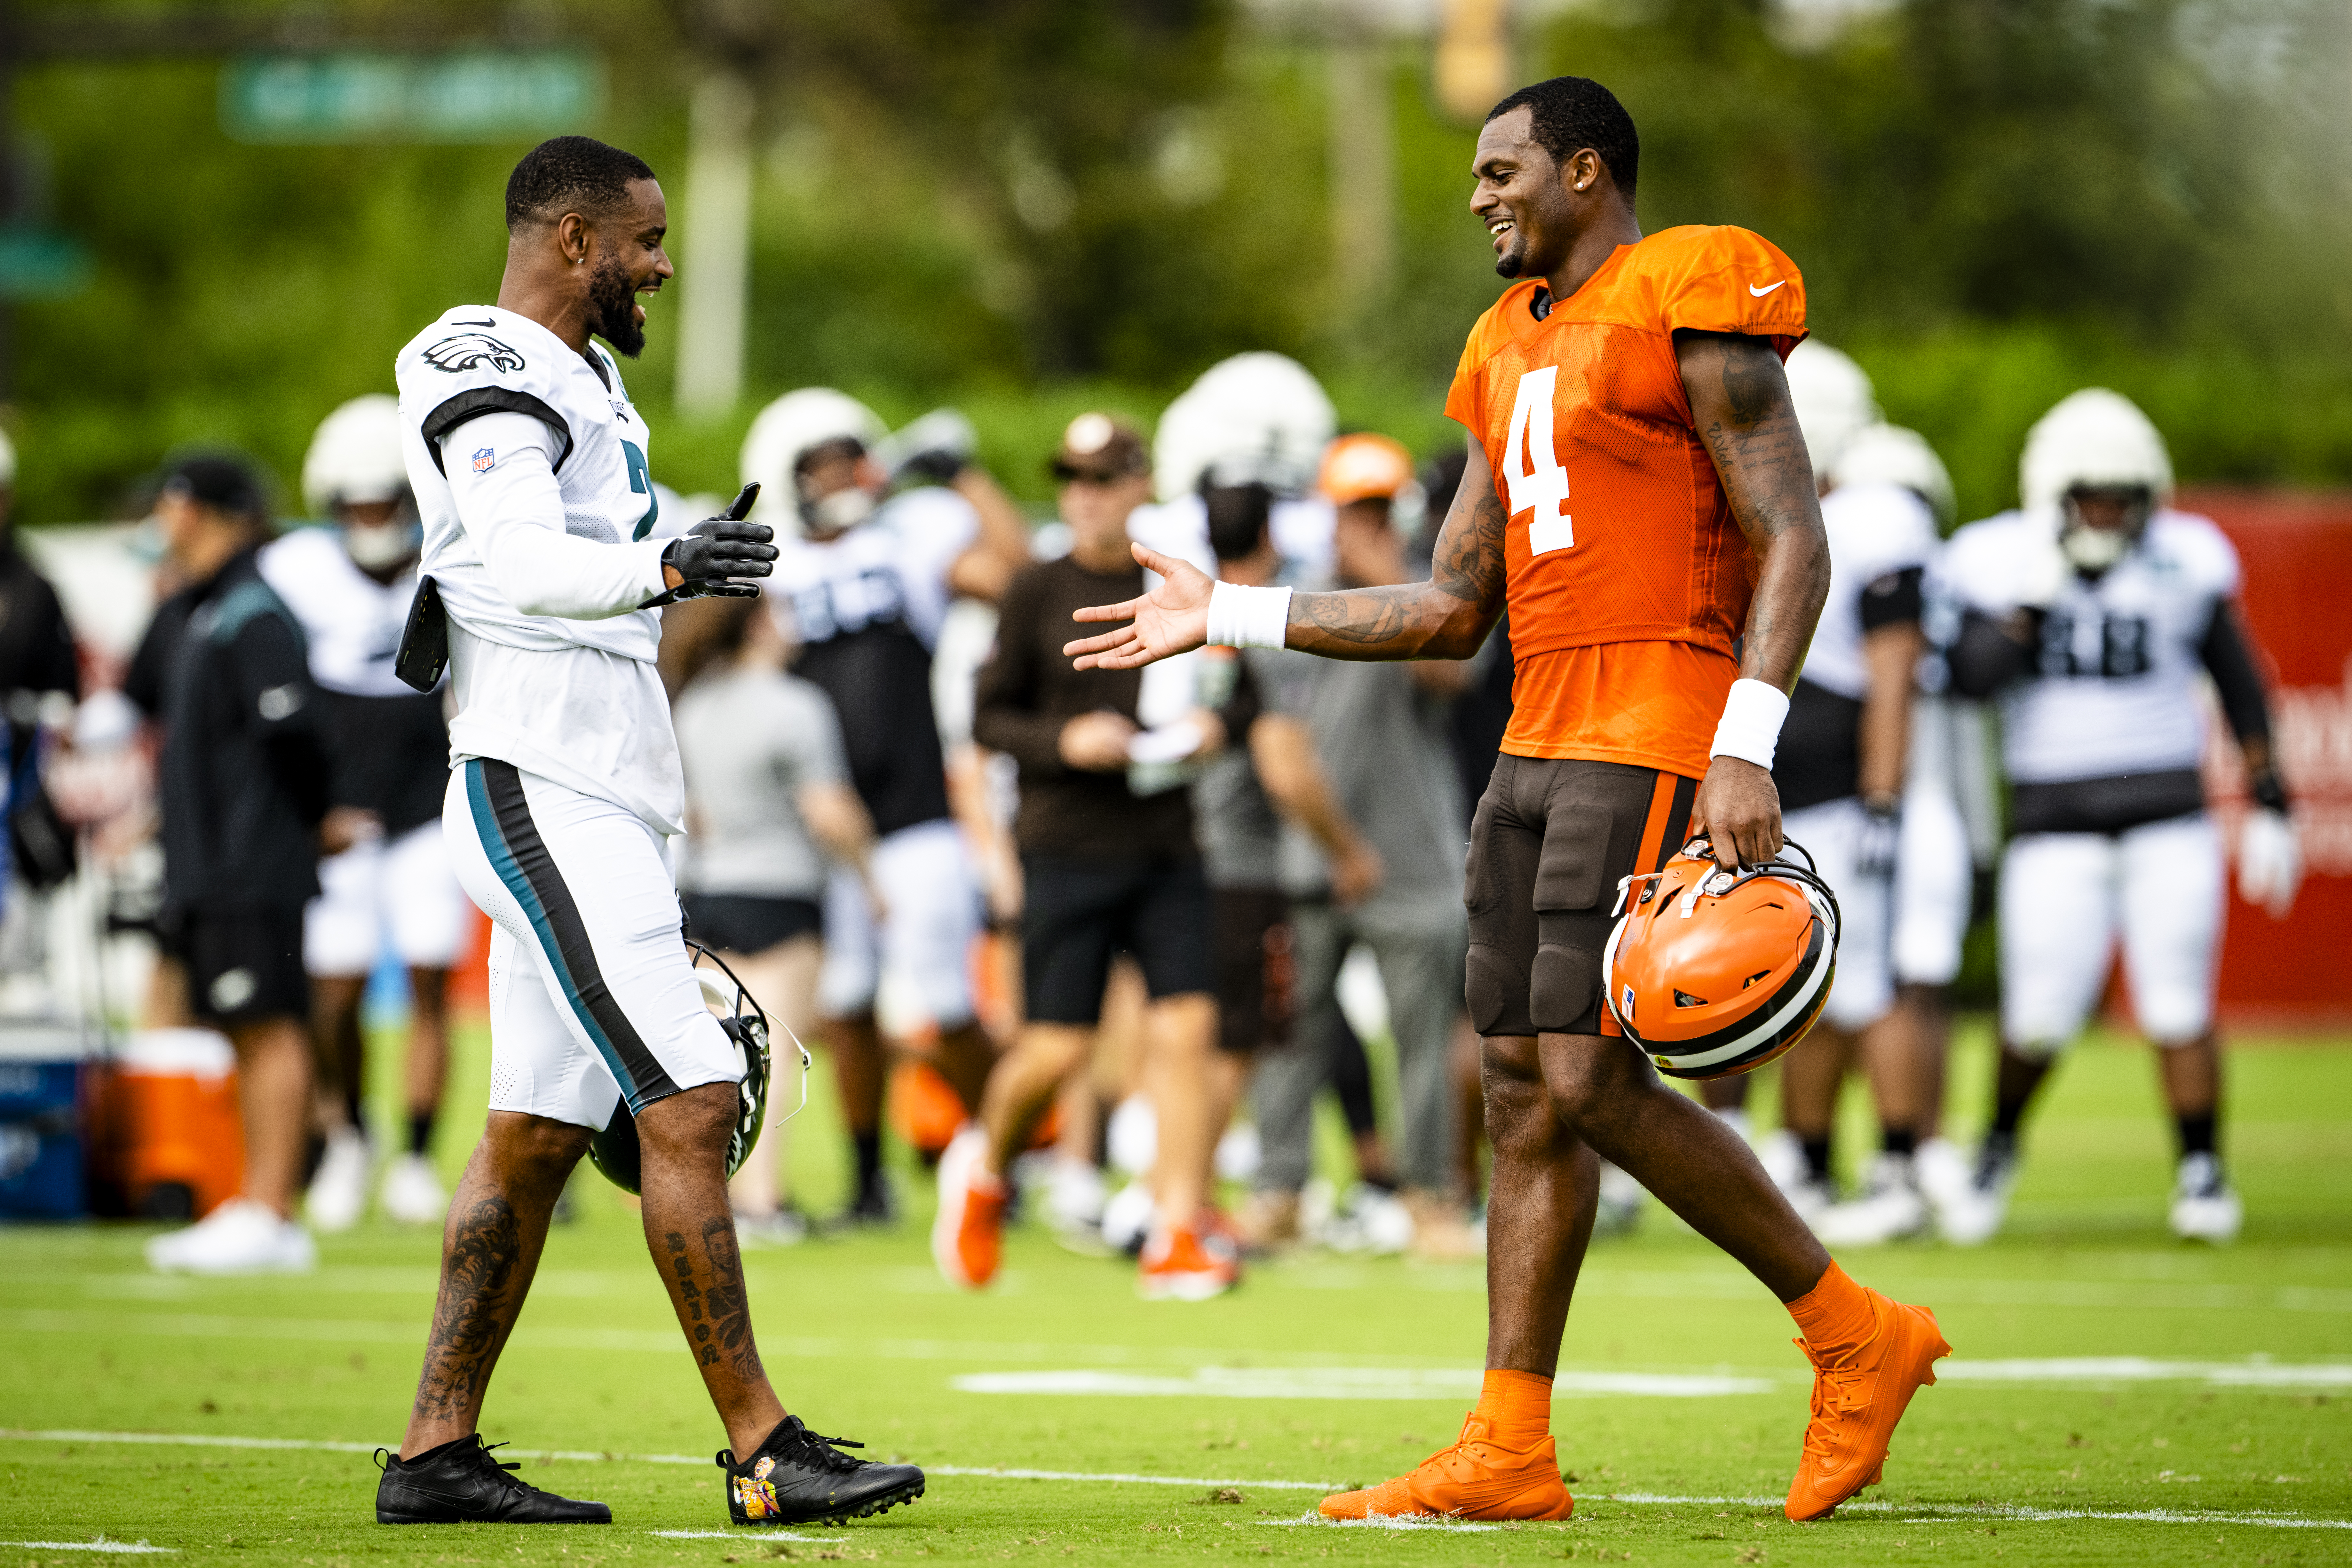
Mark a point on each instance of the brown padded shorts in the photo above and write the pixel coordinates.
(1550, 840)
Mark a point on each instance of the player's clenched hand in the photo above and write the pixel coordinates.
(1739, 810)
(719, 548)
(1172, 618)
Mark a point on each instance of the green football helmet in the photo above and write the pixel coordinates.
(614, 1150)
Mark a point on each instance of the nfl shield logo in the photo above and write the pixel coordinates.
(483, 458)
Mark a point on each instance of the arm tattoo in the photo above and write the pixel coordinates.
(1446, 616)
(1740, 398)
(1469, 562)
(473, 1316)
(731, 1306)
(1366, 617)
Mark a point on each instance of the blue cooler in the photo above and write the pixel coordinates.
(42, 1159)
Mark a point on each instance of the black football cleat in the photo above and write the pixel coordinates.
(460, 1482)
(799, 1478)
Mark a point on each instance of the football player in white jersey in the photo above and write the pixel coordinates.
(869, 576)
(1950, 786)
(2092, 613)
(1840, 770)
(547, 551)
(349, 586)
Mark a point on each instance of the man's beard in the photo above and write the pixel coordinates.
(611, 305)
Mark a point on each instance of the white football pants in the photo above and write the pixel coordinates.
(592, 994)
(2064, 899)
(1864, 990)
(399, 891)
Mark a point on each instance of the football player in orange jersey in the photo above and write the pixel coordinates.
(1638, 493)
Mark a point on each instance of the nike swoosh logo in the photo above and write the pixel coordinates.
(493, 323)
(1759, 293)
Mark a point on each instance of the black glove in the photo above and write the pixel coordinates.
(717, 549)
(1882, 835)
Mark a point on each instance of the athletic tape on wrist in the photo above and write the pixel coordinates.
(1750, 726)
(1248, 617)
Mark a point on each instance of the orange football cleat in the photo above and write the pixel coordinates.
(968, 1235)
(1472, 1479)
(1858, 1397)
(1185, 1266)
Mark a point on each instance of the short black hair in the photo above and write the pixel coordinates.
(1238, 517)
(571, 174)
(1573, 112)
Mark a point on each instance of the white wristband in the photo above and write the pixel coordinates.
(1248, 617)
(1750, 726)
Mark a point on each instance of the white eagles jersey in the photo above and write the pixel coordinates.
(1876, 531)
(2114, 685)
(351, 622)
(544, 537)
(891, 569)
(478, 360)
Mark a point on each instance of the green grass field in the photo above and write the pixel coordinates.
(228, 1421)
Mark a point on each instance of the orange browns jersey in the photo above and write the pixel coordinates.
(1628, 577)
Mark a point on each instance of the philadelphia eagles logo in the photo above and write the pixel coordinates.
(467, 350)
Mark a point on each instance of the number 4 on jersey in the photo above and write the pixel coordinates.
(1531, 467)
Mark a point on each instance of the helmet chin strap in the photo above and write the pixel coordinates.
(376, 546)
(843, 509)
(2091, 551)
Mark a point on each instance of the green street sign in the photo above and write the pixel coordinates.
(472, 95)
(41, 264)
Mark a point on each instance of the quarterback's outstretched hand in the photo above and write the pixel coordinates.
(1172, 618)
(1739, 810)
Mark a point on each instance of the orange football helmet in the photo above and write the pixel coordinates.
(1364, 468)
(1713, 973)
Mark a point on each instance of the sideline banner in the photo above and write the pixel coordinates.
(2297, 551)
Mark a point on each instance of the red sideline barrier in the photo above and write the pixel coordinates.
(2297, 551)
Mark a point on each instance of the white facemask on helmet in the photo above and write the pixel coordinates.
(789, 429)
(355, 457)
(356, 460)
(2093, 440)
(381, 546)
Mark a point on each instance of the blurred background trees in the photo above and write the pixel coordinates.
(1030, 206)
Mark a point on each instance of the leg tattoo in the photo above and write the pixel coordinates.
(471, 1319)
(730, 1307)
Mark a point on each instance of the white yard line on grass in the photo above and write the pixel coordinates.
(2280, 1521)
(1117, 1479)
(1349, 1382)
(101, 1544)
(2018, 1511)
(754, 1533)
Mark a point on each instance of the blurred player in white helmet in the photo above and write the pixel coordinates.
(2091, 611)
(349, 586)
(879, 534)
(1841, 772)
(1950, 786)
(1254, 422)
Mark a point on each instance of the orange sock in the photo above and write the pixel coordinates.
(1835, 1314)
(1516, 1406)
